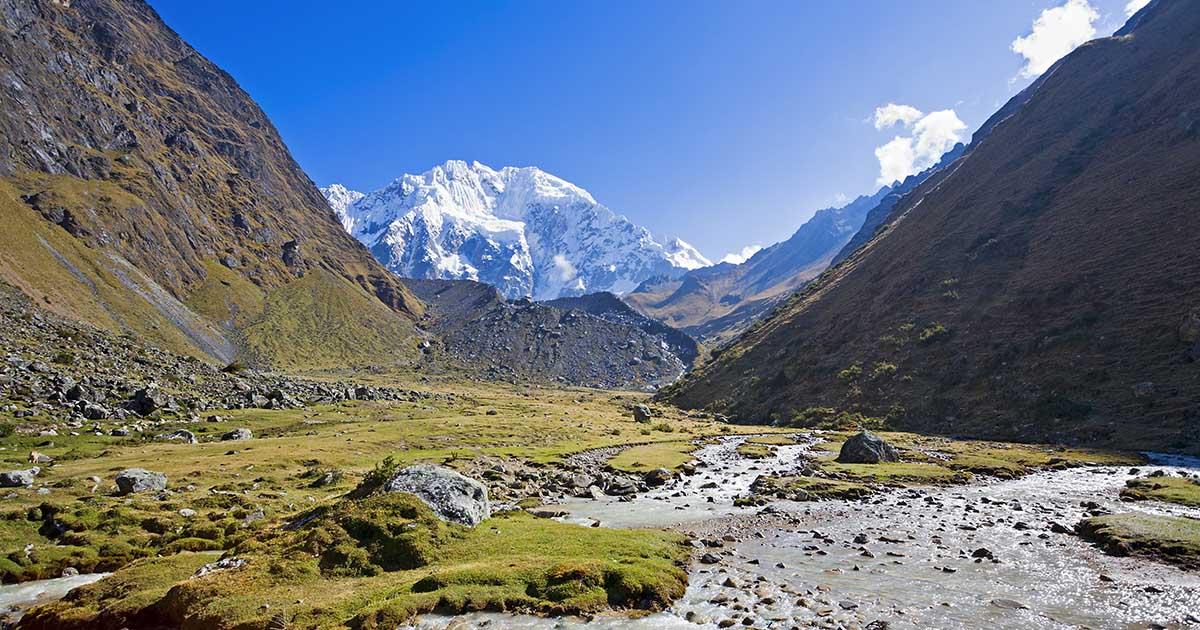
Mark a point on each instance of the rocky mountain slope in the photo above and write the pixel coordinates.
(143, 191)
(610, 307)
(479, 333)
(1044, 288)
(521, 230)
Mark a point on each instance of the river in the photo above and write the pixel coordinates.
(903, 559)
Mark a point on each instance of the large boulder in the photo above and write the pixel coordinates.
(452, 497)
(182, 435)
(867, 448)
(135, 480)
(641, 413)
(18, 478)
(237, 435)
(658, 477)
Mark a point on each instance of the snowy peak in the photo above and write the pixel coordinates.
(684, 255)
(522, 230)
(339, 198)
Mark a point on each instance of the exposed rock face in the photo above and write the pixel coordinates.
(18, 478)
(867, 448)
(1022, 293)
(134, 480)
(452, 496)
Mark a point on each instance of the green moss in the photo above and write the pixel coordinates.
(1179, 490)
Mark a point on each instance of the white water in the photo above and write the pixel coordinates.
(20, 597)
(922, 575)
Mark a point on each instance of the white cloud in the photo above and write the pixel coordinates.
(737, 258)
(931, 135)
(892, 113)
(1134, 6)
(564, 270)
(1056, 32)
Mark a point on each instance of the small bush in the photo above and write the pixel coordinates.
(933, 332)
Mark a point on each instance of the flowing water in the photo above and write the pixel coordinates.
(17, 598)
(905, 557)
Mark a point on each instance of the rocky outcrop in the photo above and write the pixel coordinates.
(867, 448)
(452, 496)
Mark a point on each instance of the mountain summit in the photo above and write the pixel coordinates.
(522, 230)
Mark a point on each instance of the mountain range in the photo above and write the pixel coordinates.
(715, 304)
(1041, 287)
(521, 230)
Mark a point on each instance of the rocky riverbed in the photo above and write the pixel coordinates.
(999, 554)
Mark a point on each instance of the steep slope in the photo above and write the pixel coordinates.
(716, 303)
(610, 307)
(482, 334)
(143, 191)
(1045, 288)
(521, 230)
(882, 211)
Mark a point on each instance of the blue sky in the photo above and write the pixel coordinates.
(724, 123)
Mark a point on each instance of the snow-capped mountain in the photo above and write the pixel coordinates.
(522, 230)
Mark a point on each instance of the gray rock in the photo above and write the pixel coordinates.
(134, 480)
(867, 448)
(18, 478)
(182, 435)
(641, 413)
(93, 411)
(1144, 391)
(237, 434)
(658, 477)
(452, 496)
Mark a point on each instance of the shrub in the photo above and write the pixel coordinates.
(933, 332)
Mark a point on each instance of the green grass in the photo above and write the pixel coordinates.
(813, 489)
(1169, 489)
(1171, 539)
(275, 471)
(755, 450)
(377, 562)
(639, 459)
(324, 321)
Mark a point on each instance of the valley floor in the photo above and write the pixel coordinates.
(603, 510)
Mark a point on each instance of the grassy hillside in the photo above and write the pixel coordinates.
(139, 177)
